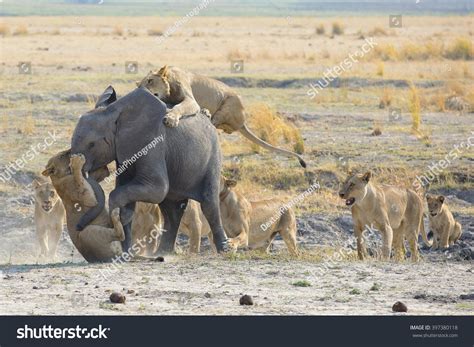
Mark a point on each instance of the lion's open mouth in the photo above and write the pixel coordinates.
(433, 214)
(350, 201)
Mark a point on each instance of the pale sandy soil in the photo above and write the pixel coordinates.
(211, 285)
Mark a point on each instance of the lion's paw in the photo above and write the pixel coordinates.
(171, 120)
(77, 160)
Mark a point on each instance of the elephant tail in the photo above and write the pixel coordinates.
(253, 138)
(92, 214)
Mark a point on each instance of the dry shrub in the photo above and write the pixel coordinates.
(337, 28)
(461, 49)
(386, 98)
(155, 32)
(385, 52)
(455, 88)
(414, 107)
(56, 32)
(380, 68)
(378, 31)
(320, 30)
(4, 30)
(412, 51)
(236, 53)
(377, 128)
(21, 30)
(28, 126)
(438, 101)
(197, 34)
(118, 31)
(272, 128)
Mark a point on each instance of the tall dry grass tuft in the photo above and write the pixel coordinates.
(270, 127)
(320, 30)
(378, 31)
(28, 126)
(461, 49)
(236, 53)
(4, 29)
(380, 69)
(337, 28)
(21, 30)
(118, 31)
(386, 98)
(155, 32)
(414, 107)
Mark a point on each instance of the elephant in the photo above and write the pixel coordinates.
(186, 164)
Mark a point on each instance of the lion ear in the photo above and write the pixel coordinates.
(441, 199)
(230, 183)
(367, 176)
(47, 172)
(163, 71)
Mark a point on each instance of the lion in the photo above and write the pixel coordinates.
(49, 217)
(190, 92)
(396, 212)
(446, 231)
(147, 217)
(100, 240)
(245, 222)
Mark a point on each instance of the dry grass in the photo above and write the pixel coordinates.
(155, 32)
(270, 127)
(337, 28)
(4, 29)
(378, 31)
(415, 108)
(21, 30)
(235, 54)
(461, 49)
(118, 31)
(380, 69)
(386, 98)
(28, 126)
(320, 30)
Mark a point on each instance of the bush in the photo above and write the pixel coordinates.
(461, 49)
(21, 30)
(4, 30)
(320, 29)
(337, 28)
(155, 32)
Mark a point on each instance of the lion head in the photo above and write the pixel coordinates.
(157, 83)
(354, 188)
(435, 203)
(45, 195)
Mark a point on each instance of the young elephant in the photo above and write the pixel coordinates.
(49, 217)
(99, 241)
(446, 231)
(245, 222)
(396, 212)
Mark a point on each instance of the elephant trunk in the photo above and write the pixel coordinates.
(94, 212)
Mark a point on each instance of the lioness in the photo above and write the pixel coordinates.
(242, 221)
(190, 92)
(396, 212)
(99, 241)
(147, 217)
(49, 217)
(446, 231)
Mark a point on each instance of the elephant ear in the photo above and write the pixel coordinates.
(140, 121)
(107, 97)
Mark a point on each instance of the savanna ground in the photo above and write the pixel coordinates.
(412, 70)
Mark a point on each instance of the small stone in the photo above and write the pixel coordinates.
(207, 295)
(160, 259)
(420, 296)
(246, 300)
(399, 307)
(35, 287)
(130, 291)
(467, 296)
(117, 298)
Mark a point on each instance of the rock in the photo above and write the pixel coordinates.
(246, 300)
(130, 291)
(207, 295)
(117, 298)
(160, 259)
(467, 296)
(399, 307)
(35, 287)
(420, 296)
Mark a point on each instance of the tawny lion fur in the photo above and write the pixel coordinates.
(396, 212)
(446, 231)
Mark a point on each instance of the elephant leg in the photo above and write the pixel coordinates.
(211, 211)
(172, 212)
(126, 216)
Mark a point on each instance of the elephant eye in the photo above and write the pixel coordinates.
(91, 145)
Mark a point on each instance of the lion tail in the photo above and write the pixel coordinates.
(423, 233)
(252, 137)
